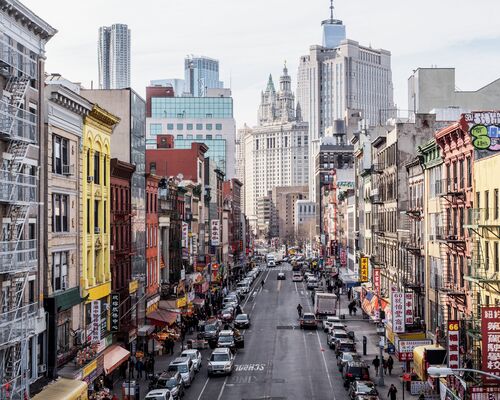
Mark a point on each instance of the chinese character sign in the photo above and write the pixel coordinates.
(408, 308)
(185, 231)
(215, 232)
(376, 280)
(484, 128)
(453, 345)
(398, 312)
(490, 332)
(115, 312)
(363, 273)
(96, 321)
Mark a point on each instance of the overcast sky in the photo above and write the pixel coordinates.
(252, 38)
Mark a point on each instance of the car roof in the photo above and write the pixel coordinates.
(338, 331)
(225, 332)
(242, 315)
(221, 350)
(346, 341)
(158, 392)
(189, 351)
(367, 383)
(180, 360)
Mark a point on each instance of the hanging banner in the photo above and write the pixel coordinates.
(490, 332)
(363, 272)
(398, 312)
(96, 321)
(376, 280)
(185, 231)
(114, 309)
(453, 345)
(408, 308)
(215, 232)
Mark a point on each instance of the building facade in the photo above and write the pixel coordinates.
(113, 52)
(201, 73)
(152, 253)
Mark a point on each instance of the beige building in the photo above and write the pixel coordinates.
(283, 210)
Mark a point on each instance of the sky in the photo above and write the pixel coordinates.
(253, 38)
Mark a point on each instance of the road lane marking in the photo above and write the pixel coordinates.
(295, 283)
(203, 389)
(222, 388)
(279, 285)
(250, 367)
(326, 366)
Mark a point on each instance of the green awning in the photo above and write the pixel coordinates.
(67, 299)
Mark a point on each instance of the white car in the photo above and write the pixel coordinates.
(312, 283)
(329, 321)
(221, 362)
(243, 287)
(185, 367)
(159, 394)
(195, 357)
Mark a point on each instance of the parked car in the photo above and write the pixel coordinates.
(159, 394)
(366, 397)
(329, 321)
(341, 345)
(333, 336)
(362, 388)
(227, 314)
(210, 331)
(221, 362)
(297, 277)
(185, 367)
(337, 326)
(308, 320)
(281, 276)
(243, 287)
(312, 283)
(195, 357)
(242, 321)
(230, 300)
(232, 339)
(171, 381)
(355, 370)
(346, 356)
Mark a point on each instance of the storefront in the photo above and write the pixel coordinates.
(64, 389)
(393, 338)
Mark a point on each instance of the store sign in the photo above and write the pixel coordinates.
(453, 345)
(484, 127)
(490, 332)
(96, 321)
(405, 348)
(215, 232)
(398, 312)
(182, 302)
(185, 234)
(485, 393)
(363, 272)
(376, 280)
(114, 312)
(408, 308)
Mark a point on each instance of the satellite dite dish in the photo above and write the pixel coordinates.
(180, 176)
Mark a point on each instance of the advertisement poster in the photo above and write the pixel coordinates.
(398, 312)
(215, 232)
(408, 308)
(453, 345)
(490, 332)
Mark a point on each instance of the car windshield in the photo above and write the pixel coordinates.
(227, 311)
(368, 388)
(241, 317)
(182, 368)
(219, 357)
(241, 284)
(309, 316)
(225, 339)
(340, 335)
(192, 356)
(210, 328)
(154, 397)
(171, 383)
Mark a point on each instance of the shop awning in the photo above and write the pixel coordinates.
(162, 317)
(114, 356)
(145, 330)
(63, 389)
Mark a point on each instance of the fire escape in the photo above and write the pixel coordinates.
(18, 196)
(377, 195)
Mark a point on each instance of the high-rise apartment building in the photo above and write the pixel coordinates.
(201, 73)
(113, 50)
(340, 76)
(23, 257)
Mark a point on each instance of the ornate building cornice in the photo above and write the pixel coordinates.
(27, 18)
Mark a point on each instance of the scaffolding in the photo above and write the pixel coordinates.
(18, 198)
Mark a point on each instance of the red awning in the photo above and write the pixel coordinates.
(162, 317)
(114, 356)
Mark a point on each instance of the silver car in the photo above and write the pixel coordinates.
(185, 367)
(221, 362)
(195, 357)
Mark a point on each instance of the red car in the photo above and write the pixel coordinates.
(308, 320)
(227, 314)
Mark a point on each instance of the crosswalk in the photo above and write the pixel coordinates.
(286, 267)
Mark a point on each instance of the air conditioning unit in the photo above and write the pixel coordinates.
(42, 368)
(97, 230)
(90, 179)
(67, 169)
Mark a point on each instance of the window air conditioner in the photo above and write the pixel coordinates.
(90, 179)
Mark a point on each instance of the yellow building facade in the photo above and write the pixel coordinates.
(96, 272)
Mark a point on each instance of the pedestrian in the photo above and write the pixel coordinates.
(390, 364)
(376, 364)
(262, 283)
(391, 395)
(349, 294)
(139, 366)
(133, 361)
(384, 365)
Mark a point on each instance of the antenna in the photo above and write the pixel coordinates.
(331, 10)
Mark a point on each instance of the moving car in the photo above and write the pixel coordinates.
(335, 335)
(185, 367)
(221, 362)
(281, 276)
(345, 357)
(308, 320)
(195, 357)
(171, 381)
(337, 326)
(242, 321)
(312, 283)
(159, 394)
(297, 277)
(231, 339)
(355, 371)
(362, 388)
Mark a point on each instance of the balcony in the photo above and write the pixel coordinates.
(17, 188)
(18, 256)
(13, 61)
(448, 234)
(18, 324)
(375, 197)
(483, 217)
(17, 123)
(450, 187)
(378, 168)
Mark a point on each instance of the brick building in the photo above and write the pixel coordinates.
(152, 260)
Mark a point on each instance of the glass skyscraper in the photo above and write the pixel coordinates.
(200, 74)
(113, 51)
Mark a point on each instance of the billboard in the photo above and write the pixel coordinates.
(484, 128)
(376, 280)
(490, 332)
(398, 312)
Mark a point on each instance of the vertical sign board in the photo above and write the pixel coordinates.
(115, 312)
(398, 312)
(96, 321)
(408, 308)
(376, 280)
(490, 332)
(215, 232)
(185, 230)
(363, 272)
(453, 345)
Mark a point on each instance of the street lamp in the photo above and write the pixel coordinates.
(381, 333)
(443, 372)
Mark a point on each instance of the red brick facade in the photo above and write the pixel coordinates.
(152, 260)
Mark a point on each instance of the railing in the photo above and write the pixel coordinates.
(17, 324)
(14, 58)
(448, 233)
(19, 255)
(17, 187)
(450, 186)
(484, 216)
(17, 123)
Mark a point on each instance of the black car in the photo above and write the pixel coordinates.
(341, 345)
(169, 380)
(359, 388)
(346, 356)
(210, 331)
(355, 371)
(242, 321)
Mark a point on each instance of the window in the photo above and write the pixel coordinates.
(208, 127)
(60, 155)
(60, 270)
(105, 171)
(209, 137)
(96, 216)
(189, 137)
(496, 259)
(487, 204)
(218, 136)
(97, 165)
(63, 338)
(199, 127)
(180, 137)
(180, 127)
(60, 213)
(461, 172)
(189, 127)
(88, 215)
(199, 137)
(154, 129)
(496, 211)
(105, 220)
(218, 127)
(469, 172)
(486, 255)
(170, 127)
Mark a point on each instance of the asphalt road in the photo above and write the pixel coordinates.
(280, 361)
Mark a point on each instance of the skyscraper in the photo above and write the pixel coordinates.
(201, 73)
(114, 56)
(333, 30)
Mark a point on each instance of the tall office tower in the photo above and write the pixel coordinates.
(201, 73)
(332, 81)
(23, 255)
(114, 56)
(333, 30)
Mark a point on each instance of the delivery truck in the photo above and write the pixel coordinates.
(325, 305)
